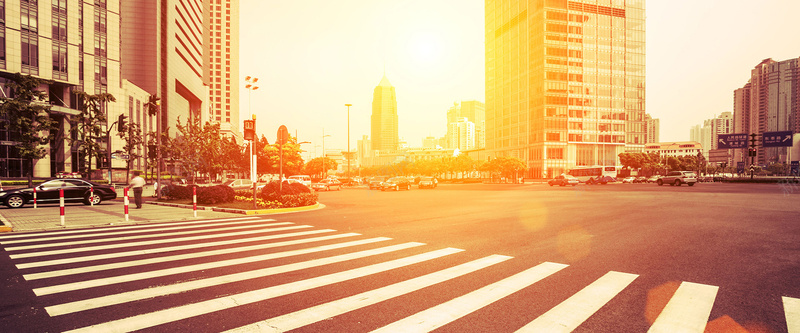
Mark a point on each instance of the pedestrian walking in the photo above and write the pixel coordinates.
(137, 183)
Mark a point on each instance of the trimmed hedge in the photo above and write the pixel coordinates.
(205, 194)
(293, 194)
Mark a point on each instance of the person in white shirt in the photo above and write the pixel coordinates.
(137, 183)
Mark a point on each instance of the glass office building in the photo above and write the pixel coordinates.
(565, 82)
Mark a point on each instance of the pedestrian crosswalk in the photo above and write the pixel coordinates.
(161, 274)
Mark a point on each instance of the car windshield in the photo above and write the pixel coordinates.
(228, 182)
(426, 179)
(395, 179)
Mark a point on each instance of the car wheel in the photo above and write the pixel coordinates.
(92, 199)
(15, 201)
(397, 187)
(562, 184)
(691, 184)
(677, 182)
(660, 182)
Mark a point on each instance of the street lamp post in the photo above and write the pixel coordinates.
(250, 86)
(324, 171)
(348, 139)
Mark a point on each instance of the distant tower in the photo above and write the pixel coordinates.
(384, 117)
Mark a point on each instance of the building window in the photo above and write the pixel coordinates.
(29, 16)
(60, 60)
(30, 53)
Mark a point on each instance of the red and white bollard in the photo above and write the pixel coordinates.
(127, 202)
(34, 198)
(194, 200)
(61, 203)
(91, 195)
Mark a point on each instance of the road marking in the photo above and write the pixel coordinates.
(328, 310)
(88, 232)
(447, 312)
(569, 314)
(130, 296)
(687, 310)
(148, 235)
(151, 242)
(189, 247)
(213, 264)
(122, 230)
(791, 307)
(194, 255)
(196, 309)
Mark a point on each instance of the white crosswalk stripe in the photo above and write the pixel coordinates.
(568, 315)
(687, 310)
(79, 283)
(791, 307)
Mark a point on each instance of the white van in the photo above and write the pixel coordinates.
(303, 179)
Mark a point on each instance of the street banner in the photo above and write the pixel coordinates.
(730, 141)
(777, 139)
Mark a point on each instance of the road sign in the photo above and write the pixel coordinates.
(777, 139)
(740, 167)
(795, 168)
(283, 135)
(730, 141)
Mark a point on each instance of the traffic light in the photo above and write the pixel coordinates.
(249, 130)
(121, 123)
(752, 151)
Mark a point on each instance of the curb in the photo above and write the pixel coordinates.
(5, 225)
(242, 211)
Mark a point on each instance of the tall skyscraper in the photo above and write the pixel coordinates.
(164, 50)
(708, 133)
(475, 112)
(223, 66)
(565, 82)
(769, 102)
(384, 117)
(653, 129)
(461, 134)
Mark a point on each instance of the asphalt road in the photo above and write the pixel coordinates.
(614, 258)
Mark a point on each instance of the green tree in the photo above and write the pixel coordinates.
(131, 133)
(27, 116)
(463, 164)
(89, 126)
(196, 147)
(315, 166)
(292, 161)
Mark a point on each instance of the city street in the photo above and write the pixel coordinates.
(458, 258)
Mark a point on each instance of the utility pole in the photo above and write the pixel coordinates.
(752, 152)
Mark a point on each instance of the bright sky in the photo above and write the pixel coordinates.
(314, 56)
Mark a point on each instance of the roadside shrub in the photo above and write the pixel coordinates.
(178, 191)
(271, 191)
(215, 194)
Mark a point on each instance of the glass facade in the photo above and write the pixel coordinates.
(565, 82)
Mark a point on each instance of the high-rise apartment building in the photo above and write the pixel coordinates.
(565, 82)
(384, 117)
(75, 45)
(461, 134)
(223, 69)
(475, 112)
(769, 102)
(708, 133)
(164, 50)
(653, 129)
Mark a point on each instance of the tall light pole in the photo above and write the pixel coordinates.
(348, 139)
(250, 86)
(324, 171)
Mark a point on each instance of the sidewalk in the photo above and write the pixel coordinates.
(78, 215)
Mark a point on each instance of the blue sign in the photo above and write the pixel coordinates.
(730, 141)
(795, 168)
(777, 139)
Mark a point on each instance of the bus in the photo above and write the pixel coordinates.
(594, 174)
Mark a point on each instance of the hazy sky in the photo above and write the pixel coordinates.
(313, 56)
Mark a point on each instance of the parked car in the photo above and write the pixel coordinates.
(375, 182)
(564, 180)
(601, 180)
(640, 180)
(327, 184)
(676, 178)
(628, 180)
(239, 184)
(427, 182)
(304, 179)
(396, 183)
(653, 179)
(75, 190)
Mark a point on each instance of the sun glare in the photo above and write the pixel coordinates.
(425, 48)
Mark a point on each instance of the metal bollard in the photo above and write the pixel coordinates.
(61, 203)
(194, 200)
(127, 202)
(34, 198)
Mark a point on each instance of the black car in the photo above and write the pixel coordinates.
(75, 190)
(396, 183)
